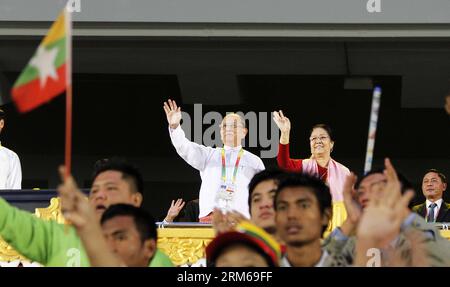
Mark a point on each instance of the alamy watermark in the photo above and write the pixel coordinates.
(73, 257)
(73, 6)
(262, 130)
(373, 6)
(375, 260)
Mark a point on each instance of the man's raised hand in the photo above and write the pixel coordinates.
(173, 113)
(74, 205)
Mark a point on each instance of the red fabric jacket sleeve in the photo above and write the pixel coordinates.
(285, 162)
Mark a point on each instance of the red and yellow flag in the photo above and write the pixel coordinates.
(48, 72)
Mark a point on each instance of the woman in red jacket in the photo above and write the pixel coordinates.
(320, 163)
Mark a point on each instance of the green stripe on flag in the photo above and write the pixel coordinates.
(30, 73)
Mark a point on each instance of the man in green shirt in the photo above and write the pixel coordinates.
(54, 244)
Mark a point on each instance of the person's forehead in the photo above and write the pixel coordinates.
(232, 119)
(373, 178)
(265, 186)
(120, 222)
(113, 176)
(319, 132)
(431, 175)
(296, 193)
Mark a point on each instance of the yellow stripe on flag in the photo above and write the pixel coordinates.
(57, 30)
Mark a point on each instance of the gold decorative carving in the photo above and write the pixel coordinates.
(184, 245)
(53, 212)
(7, 253)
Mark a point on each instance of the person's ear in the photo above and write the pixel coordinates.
(244, 132)
(149, 248)
(2, 124)
(137, 199)
(331, 146)
(326, 217)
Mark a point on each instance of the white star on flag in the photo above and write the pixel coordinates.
(44, 61)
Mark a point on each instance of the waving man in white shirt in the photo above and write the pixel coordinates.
(225, 171)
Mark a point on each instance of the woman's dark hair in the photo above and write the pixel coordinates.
(326, 128)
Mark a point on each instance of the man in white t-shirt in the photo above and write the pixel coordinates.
(10, 169)
(225, 171)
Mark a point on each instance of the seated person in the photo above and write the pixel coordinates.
(246, 246)
(302, 214)
(434, 209)
(126, 235)
(53, 244)
(380, 225)
(262, 190)
(342, 239)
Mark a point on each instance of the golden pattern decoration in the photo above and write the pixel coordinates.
(184, 245)
(8, 254)
(53, 212)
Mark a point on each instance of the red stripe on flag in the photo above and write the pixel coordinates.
(31, 95)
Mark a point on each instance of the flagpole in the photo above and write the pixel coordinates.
(68, 141)
(374, 111)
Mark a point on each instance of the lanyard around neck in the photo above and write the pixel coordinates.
(236, 166)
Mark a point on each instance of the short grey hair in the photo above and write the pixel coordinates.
(234, 114)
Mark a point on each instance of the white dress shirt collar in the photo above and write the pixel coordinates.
(436, 209)
(285, 262)
(237, 148)
(438, 202)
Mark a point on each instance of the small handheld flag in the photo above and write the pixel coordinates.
(46, 74)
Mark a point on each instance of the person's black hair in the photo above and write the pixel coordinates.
(320, 190)
(405, 183)
(144, 221)
(2, 114)
(440, 174)
(129, 171)
(267, 174)
(326, 128)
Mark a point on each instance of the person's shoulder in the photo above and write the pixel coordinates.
(415, 208)
(251, 155)
(340, 165)
(9, 152)
(160, 259)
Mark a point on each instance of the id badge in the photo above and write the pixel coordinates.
(225, 196)
(230, 188)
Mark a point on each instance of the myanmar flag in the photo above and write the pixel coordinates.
(48, 73)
